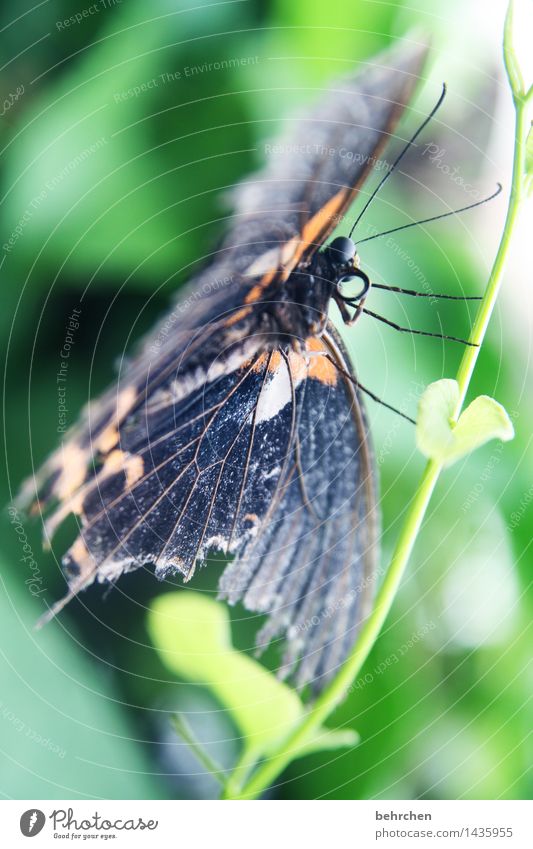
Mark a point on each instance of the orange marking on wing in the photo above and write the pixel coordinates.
(316, 366)
(323, 217)
(313, 343)
(273, 365)
(73, 463)
(294, 249)
(259, 363)
(298, 366)
(110, 435)
(275, 361)
(312, 231)
(254, 294)
(256, 291)
(236, 317)
(297, 363)
(320, 368)
(82, 558)
(131, 464)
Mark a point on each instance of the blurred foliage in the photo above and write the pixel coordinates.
(117, 194)
(63, 735)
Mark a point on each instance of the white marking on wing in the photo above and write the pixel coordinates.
(276, 394)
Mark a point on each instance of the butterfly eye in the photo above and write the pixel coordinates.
(341, 250)
(353, 287)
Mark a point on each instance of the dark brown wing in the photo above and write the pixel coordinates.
(313, 173)
(312, 565)
(315, 170)
(268, 461)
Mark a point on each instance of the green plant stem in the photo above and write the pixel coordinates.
(182, 728)
(488, 303)
(336, 691)
(239, 774)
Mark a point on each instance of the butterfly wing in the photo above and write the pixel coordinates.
(269, 462)
(285, 212)
(312, 567)
(316, 169)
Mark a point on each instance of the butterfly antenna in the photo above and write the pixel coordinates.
(370, 394)
(400, 156)
(417, 332)
(401, 291)
(435, 217)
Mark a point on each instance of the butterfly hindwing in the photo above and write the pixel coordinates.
(312, 567)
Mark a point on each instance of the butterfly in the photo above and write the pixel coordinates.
(239, 426)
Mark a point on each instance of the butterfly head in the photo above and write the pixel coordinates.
(351, 284)
(302, 304)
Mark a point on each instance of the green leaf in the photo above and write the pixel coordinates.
(192, 635)
(440, 438)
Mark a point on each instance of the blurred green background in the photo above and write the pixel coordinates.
(113, 196)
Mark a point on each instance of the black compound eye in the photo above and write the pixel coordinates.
(342, 250)
(353, 287)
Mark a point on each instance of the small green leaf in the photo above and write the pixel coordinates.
(192, 635)
(434, 434)
(440, 438)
